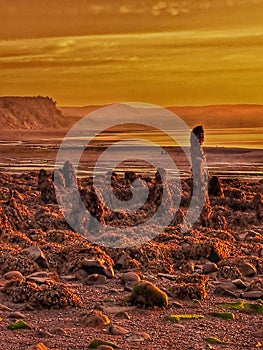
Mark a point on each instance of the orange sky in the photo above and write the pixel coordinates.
(184, 52)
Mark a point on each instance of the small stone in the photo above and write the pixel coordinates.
(58, 331)
(177, 304)
(96, 266)
(130, 277)
(122, 315)
(240, 284)
(36, 254)
(69, 278)
(95, 279)
(247, 269)
(4, 308)
(40, 280)
(43, 334)
(38, 274)
(253, 294)
(16, 315)
(97, 343)
(222, 290)
(210, 267)
(138, 337)
(14, 275)
(117, 330)
(94, 319)
(121, 262)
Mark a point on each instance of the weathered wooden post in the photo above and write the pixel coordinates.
(200, 175)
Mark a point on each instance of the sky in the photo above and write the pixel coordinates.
(183, 52)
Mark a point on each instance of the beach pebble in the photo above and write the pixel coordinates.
(130, 277)
(16, 315)
(95, 279)
(210, 267)
(240, 283)
(253, 294)
(96, 267)
(94, 319)
(247, 269)
(36, 254)
(117, 330)
(14, 275)
(4, 308)
(122, 315)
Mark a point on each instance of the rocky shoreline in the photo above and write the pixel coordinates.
(70, 292)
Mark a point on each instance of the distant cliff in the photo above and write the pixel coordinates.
(30, 113)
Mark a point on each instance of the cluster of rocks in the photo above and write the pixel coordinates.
(35, 238)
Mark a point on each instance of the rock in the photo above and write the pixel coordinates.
(14, 275)
(95, 279)
(229, 272)
(247, 269)
(240, 284)
(69, 278)
(122, 315)
(177, 304)
(146, 294)
(43, 334)
(138, 337)
(36, 254)
(69, 175)
(53, 295)
(253, 294)
(226, 289)
(94, 319)
(130, 277)
(46, 187)
(58, 331)
(105, 347)
(121, 262)
(16, 315)
(117, 330)
(96, 343)
(189, 287)
(40, 280)
(215, 187)
(96, 267)
(210, 267)
(4, 308)
(118, 309)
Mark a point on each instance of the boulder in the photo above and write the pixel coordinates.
(146, 294)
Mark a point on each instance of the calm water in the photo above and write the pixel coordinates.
(234, 167)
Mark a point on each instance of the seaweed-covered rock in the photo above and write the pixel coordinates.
(146, 294)
(52, 295)
(189, 287)
(46, 187)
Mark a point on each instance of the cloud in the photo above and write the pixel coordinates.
(132, 9)
(170, 8)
